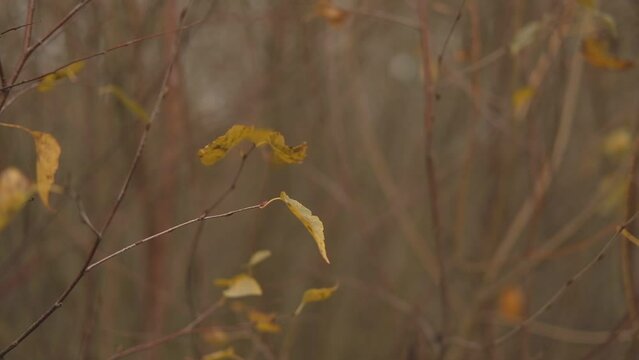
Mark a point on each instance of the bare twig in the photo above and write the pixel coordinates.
(189, 328)
(431, 175)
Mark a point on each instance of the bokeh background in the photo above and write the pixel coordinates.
(533, 148)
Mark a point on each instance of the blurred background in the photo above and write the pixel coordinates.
(534, 160)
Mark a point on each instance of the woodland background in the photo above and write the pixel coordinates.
(533, 144)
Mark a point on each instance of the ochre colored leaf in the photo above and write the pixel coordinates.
(226, 354)
(264, 322)
(512, 303)
(311, 222)
(628, 235)
(218, 148)
(331, 13)
(48, 82)
(130, 104)
(48, 155)
(48, 151)
(258, 257)
(15, 190)
(597, 53)
(315, 295)
(239, 286)
(588, 4)
(524, 37)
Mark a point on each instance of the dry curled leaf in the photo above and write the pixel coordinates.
(218, 148)
(239, 286)
(48, 82)
(216, 336)
(597, 53)
(311, 222)
(133, 106)
(315, 295)
(48, 155)
(15, 190)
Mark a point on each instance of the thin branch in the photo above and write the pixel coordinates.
(431, 175)
(98, 239)
(26, 43)
(176, 227)
(164, 339)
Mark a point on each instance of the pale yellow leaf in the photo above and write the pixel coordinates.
(597, 53)
(239, 286)
(15, 190)
(48, 82)
(628, 235)
(315, 295)
(48, 155)
(216, 336)
(258, 257)
(218, 148)
(311, 222)
(228, 353)
(130, 104)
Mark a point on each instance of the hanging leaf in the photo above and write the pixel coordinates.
(239, 286)
(311, 222)
(315, 295)
(597, 53)
(48, 82)
(258, 257)
(331, 13)
(15, 191)
(130, 104)
(629, 236)
(524, 37)
(48, 155)
(512, 303)
(216, 150)
(228, 353)
(264, 322)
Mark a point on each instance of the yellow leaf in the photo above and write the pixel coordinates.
(613, 192)
(618, 142)
(264, 322)
(331, 13)
(15, 191)
(239, 286)
(130, 104)
(315, 295)
(311, 222)
(218, 148)
(228, 353)
(521, 98)
(512, 303)
(48, 82)
(597, 53)
(48, 155)
(628, 235)
(258, 257)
